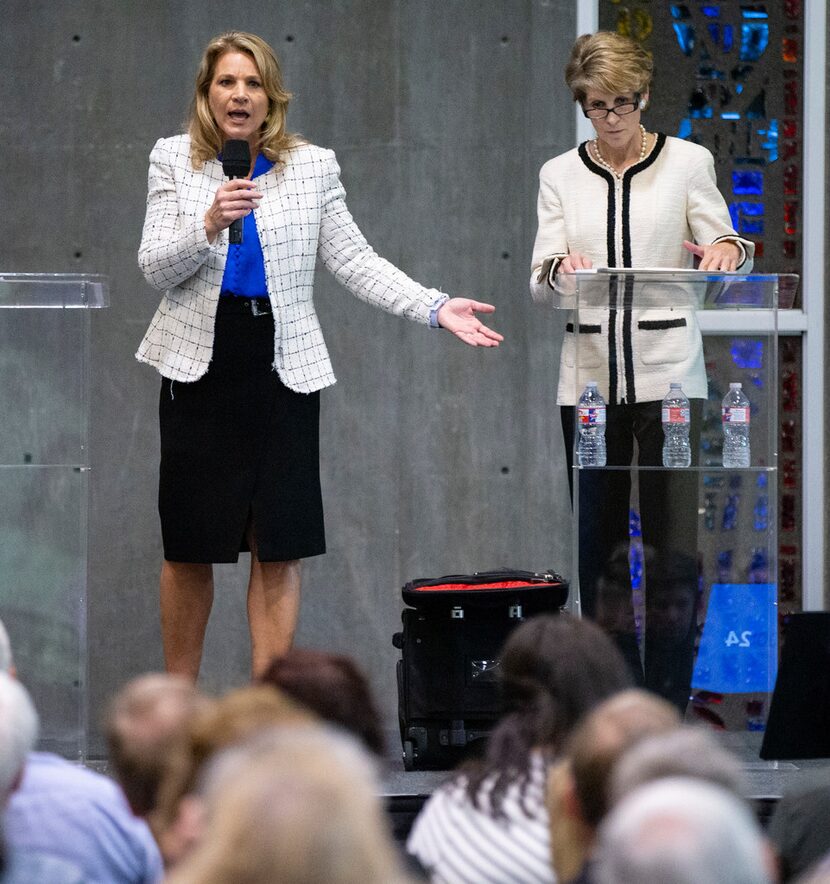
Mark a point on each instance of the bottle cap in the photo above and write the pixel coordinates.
(591, 384)
(735, 385)
(675, 385)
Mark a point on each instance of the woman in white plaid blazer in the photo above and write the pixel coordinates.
(237, 325)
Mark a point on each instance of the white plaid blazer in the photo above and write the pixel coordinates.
(302, 216)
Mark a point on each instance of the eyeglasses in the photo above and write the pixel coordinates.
(600, 113)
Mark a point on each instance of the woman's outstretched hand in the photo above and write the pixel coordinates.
(458, 315)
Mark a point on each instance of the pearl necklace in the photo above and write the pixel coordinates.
(603, 162)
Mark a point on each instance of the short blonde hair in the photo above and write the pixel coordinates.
(608, 62)
(216, 725)
(302, 807)
(205, 136)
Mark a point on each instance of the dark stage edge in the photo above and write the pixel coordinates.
(405, 792)
(764, 781)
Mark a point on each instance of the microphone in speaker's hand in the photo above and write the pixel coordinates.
(236, 163)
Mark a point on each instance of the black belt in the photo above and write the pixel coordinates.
(230, 303)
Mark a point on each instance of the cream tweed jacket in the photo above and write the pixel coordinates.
(633, 350)
(302, 217)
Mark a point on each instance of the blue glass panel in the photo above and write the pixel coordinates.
(714, 32)
(685, 130)
(744, 182)
(761, 513)
(770, 142)
(724, 563)
(679, 10)
(730, 116)
(728, 37)
(742, 215)
(753, 209)
(753, 12)
(730, 515)
(711, 11)
(698, 113)
(753, 228)
(759, 566)
(685, 37)
(754, 40)
(747, 353)
(739, 88)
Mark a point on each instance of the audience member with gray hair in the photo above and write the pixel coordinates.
(579, 785)
(298, 805)
(682, 831)
(75, 820)
(144, 721)
(685, 752)
(798, 829)
(18, 733)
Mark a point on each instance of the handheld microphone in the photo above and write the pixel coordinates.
(236, 163)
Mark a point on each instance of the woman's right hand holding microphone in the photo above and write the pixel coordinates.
(234, 199)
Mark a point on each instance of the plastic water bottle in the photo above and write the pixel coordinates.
(590, 412)
(677, 451)
(735, 417)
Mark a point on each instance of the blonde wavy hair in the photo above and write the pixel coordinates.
(205, 136)
(608, 62)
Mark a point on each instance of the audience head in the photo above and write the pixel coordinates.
(681, 831)
(554, 669)
(603, 736)
(685, 752)
(220, 724)
(18, 733)
(333, 687)
(144, 721)
(296, 805)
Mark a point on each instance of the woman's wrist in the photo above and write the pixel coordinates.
(211, 229)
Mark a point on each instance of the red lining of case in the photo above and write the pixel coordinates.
(503, 584)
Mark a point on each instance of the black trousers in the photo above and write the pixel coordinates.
(667, 503)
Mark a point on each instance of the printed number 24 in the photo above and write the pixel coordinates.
(741, 642)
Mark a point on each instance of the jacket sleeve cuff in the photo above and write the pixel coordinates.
(547, 272)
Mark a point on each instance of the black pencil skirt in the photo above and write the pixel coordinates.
(240, 452)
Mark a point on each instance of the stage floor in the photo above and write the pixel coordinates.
(765, 781)
(405, 792)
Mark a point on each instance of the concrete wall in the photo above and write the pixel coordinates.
(436, 458)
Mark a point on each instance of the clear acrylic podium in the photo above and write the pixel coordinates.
(44, 486)
(679, 565)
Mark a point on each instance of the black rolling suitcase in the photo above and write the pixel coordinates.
(453, 630)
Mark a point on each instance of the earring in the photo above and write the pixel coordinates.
(642, 104)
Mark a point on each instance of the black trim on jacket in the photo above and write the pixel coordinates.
(628, 287)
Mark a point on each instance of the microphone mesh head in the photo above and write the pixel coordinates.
(236, 158)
